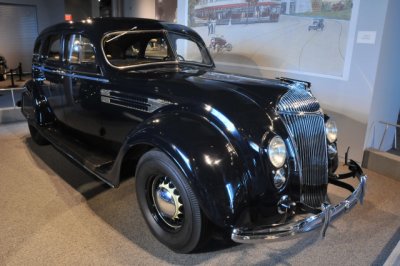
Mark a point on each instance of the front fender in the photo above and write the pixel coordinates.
(206, 157)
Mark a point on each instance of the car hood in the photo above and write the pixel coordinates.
(248, 103)
(263, 92)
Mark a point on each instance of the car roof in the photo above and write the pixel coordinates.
(99, 26)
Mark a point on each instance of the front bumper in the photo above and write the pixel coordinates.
(319, 221)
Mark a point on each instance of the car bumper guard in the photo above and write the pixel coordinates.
(319, 221)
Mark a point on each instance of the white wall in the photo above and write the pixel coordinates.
(48, 12)
(26, 19)
(352, 96)
(386, 95)
(139, 8)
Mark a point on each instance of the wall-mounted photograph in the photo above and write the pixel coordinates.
(302, 36)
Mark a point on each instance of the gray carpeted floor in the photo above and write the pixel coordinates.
(54, 213)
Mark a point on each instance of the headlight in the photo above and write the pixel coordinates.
(277, 151)
(331, 131)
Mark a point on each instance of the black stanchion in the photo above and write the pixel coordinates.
(12, 78)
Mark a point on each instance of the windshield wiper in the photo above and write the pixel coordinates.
(121, 34)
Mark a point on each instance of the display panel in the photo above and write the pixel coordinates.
(311, 37)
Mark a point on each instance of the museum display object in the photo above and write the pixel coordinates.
(219, 43)
(3, 68)
(211, 152)
(317, 24)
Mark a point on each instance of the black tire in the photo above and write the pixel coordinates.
(37, 137)
(185, 231)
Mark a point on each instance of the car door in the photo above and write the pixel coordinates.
(130, 97)
(82, 85)
(49, 68)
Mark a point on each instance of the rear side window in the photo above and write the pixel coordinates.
(54, 48)
(80, 54)
(81, 50)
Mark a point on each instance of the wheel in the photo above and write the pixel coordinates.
(168, 203)
(228, 47)
(37, 137)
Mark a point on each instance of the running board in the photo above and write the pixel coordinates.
(91, 158)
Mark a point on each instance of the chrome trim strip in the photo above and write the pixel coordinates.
(297, 228)
(148, 105)
(72, 75)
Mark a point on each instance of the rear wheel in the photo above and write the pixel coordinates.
(168, 203)
(37, 137)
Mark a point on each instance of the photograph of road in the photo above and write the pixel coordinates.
(307, 36)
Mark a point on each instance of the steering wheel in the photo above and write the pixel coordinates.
(181, 58)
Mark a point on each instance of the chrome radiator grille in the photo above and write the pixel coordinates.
(301, 114)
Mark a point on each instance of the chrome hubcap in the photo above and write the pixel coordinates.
(167, 202)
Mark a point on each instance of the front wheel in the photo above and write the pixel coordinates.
(168, 203)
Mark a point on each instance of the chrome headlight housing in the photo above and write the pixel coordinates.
(277, 151)
(331, 131)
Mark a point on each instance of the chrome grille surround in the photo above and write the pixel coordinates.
(304, 121)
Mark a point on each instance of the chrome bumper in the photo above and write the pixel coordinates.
(320, 220)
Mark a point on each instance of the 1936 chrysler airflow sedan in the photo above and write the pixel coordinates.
(246, 156)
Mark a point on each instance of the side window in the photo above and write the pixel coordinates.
(81, 53)
(133, 50)
(188, 50)
(54, 48)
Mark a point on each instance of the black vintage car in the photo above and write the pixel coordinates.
(3, 68)
(246, 157)
(317, 24)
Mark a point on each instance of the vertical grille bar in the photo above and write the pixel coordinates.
(308, 134)
(300, 112)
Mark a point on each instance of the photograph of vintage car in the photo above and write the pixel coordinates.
(317, 24)
(219, 44)
(210, 151)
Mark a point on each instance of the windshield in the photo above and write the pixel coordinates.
(133, 48)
